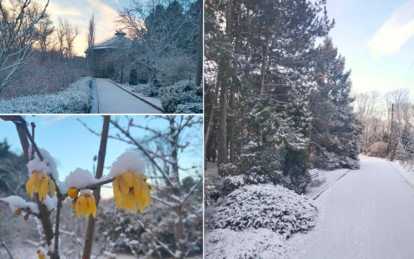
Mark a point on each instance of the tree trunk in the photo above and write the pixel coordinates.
(200, 57)
(87, 250)
(264, 67)
(222, 130)
(179, 231)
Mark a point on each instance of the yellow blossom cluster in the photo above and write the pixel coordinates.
(131, 190)
(39, 183)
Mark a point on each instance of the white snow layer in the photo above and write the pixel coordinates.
(51, 203)
(47, 166)
(16, 202)
(265, 206)
(79, 178)
(128, 161)
(250, 243)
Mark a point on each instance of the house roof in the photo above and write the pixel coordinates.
(113, 42)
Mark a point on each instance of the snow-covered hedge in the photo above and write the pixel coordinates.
(265, 206)
(182, 97)
(77, 98)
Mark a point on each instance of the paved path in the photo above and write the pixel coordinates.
(369, 213)
(112, 99)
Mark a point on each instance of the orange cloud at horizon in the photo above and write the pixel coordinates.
(78, 12)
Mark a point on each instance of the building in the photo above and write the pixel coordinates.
(101, 66)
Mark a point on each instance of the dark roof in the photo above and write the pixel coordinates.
(113, 42)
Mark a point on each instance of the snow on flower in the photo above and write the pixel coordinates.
(85, 204)
(16, 203)
(130, 185)
(40, 173)
(47, 166)
(128, 161)
(78, 179)
(42, 253)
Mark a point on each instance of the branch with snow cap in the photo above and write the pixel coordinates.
(18, 204)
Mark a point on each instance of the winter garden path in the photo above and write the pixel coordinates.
(369, 213)
(112, 99)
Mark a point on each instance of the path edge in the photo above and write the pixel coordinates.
(145, 101)
(95, 99)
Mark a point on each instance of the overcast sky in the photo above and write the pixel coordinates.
(73, 146)
(376, 37)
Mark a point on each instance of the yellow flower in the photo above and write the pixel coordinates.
(17, 212)
(85, 204)
(131, 189)
(40, 183)
(73, 192)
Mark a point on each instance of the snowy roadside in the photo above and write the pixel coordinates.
(153, 101)
(261, 242)
(405, 172)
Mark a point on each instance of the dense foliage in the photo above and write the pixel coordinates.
(275, 101)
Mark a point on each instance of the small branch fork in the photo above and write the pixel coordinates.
(25, 209)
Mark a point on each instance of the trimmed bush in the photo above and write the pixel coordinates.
(265, 206)
(77, 98)
(181, 98)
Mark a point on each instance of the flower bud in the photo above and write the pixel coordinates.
(26, 217)
(17, 212)
(73, 192)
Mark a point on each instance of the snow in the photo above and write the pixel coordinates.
(366, 214)
(85, 191)
(16, 202)
(250, 243)
(153, 100)
(127, 161)
(265, 206)
(78, 178)
(112, 99)
(76, 98)
(47, 166)
(51, 203)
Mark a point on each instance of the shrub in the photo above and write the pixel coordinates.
(181, 93)
(379, 149)
(133, 77)
(152, 90)
(175, 68)
(77, 98)
(190, 108)
(227, 169)
(265, 206)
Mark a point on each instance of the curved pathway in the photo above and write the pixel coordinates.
(112, 99)
(369, 213)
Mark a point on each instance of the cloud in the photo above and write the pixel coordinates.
(47, 120)
(394, 33)
(78, 12)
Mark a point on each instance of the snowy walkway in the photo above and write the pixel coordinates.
(112, 99)
(369, 213)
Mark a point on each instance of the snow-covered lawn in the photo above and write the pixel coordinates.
(77, 98)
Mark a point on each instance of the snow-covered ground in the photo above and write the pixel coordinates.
(368, 213)
(112, 99)
(153, 100)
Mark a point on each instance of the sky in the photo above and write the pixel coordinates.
(73, 146)
(78, 13)
(377, 39)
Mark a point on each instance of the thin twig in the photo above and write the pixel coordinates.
(5, 247)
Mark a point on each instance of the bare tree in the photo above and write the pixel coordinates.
(19, 37)
(91, 39)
